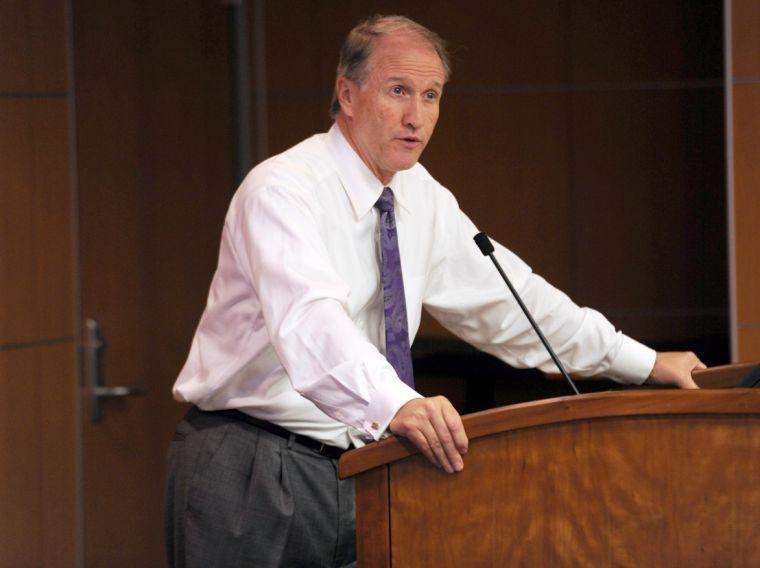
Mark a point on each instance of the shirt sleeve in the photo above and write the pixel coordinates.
(304, 303)
(467, 296)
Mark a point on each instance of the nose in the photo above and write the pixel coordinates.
(413, 114)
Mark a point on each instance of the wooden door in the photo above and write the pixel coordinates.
(154, 179)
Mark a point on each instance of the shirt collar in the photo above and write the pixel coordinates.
(359, 183)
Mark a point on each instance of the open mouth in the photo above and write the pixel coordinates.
(410, 141)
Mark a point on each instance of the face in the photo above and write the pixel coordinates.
(390, 118)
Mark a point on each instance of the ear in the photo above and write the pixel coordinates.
(346, 91)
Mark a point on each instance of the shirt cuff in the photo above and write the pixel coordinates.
(385, 404)
(633, 363)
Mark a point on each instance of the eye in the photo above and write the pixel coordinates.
(431, 95)
(397, 90)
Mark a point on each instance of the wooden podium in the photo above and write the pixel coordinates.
(626, 478)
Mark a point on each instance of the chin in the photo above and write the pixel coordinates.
(405, 163)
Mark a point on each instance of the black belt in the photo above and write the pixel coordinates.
(326, 450)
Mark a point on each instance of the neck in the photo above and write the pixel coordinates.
(344, 123)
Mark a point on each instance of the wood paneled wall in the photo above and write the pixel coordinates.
(586, 136)
(39, 452)
(743, 87)
(155, 178)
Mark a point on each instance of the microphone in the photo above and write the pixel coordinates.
(485, 246)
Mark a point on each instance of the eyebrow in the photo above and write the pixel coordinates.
(436, 84)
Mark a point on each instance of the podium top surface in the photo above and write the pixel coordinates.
(566, 409)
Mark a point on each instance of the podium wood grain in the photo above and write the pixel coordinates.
(658, 478)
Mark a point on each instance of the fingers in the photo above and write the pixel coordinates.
(441, 439)
(675, 368)
(435, 427)
(455, 426)
(687, 382)
(435, 448)
(690, 364)
(697, 364)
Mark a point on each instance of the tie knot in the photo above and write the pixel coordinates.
(385, 202)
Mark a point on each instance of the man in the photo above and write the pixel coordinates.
(329, 251)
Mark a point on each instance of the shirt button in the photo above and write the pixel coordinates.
(375, 425)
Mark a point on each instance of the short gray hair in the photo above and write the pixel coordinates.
(356, 50)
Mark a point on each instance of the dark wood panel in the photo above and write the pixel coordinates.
(505, 44)
(39, 457)
(515, 43)
(745, 41)
(634, 41)
(33, 46)
(649, 208)
(36, 276)
(293, 118)
(747, 201)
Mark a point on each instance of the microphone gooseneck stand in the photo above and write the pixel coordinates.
(486, 247)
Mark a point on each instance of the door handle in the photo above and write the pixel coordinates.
(94, 345)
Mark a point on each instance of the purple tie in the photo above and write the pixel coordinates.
(396, 329)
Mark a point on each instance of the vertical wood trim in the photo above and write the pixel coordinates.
(730, 221)
(373, 534)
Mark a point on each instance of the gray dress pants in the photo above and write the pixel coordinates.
(238, 495)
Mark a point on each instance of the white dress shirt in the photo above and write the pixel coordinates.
(293, 330)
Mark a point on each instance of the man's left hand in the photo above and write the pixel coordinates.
(675, 368)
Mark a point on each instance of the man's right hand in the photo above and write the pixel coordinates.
(435, 427)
